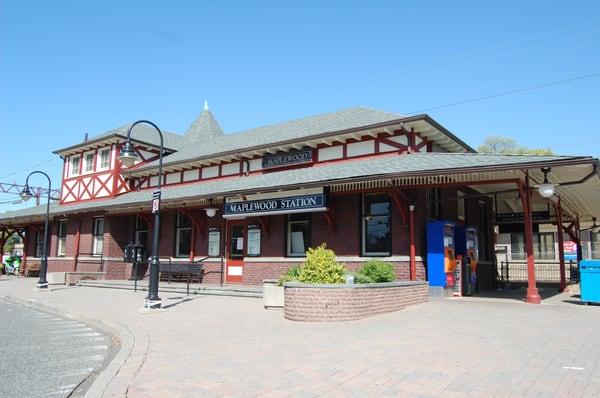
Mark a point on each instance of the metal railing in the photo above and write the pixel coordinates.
(91, 258)
(545, 272)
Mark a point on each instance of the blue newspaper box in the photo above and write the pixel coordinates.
(589, 274)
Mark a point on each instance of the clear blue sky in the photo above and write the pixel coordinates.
(70, 67)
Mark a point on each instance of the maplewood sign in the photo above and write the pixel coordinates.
(284, 159)
(308, 202)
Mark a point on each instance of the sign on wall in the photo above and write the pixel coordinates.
(536, 216)
(287, 158)
(297, 201)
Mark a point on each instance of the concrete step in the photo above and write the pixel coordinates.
(231, 291)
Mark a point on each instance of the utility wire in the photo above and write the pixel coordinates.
(520, 90)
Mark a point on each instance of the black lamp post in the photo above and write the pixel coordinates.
(128, 157)
(25, 196)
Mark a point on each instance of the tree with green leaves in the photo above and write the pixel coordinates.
(508, 146)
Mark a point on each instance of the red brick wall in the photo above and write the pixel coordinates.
(345, 237)
(326, 303)
(255, 272)
(60, 266)
(117, 270)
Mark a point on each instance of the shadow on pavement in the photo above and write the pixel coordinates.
(185, 300)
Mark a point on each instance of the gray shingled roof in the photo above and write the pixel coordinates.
(295, 129)
(381, 167)
(142, 133)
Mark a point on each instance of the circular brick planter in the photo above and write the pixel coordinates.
(317, 303)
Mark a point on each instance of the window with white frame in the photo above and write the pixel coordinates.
(62, 238)
(75, 165)
(98, 236)
(298, 234)
(376, 231)
(88, 162)
(214, 242)
(105, 158)
(183, 236)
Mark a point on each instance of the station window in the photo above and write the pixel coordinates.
(214, 242)
(39, 243)
(434, 205)
(75, 165)
(543, 246)
(105, 158)
(376, 239)
(98, 236)
(89, 162)
(298, 234)
(141, 231)
(62, 238)
(183, 237)
(254, 241)
(595, 244)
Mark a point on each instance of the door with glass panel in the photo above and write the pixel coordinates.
(235, 251)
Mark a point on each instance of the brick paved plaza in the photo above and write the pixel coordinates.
(216, 346)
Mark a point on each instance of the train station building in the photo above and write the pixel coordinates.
(369, 184)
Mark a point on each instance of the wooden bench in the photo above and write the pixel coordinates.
(32, 267)
(182, 271)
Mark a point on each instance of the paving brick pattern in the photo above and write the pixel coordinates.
(216, 346)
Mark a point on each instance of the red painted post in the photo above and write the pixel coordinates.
(411, 227)
(533, 296)
(193, 240)
(561, 248)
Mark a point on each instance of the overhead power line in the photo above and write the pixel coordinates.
(520, 90)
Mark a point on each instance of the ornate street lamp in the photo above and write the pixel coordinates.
(128, 157)
(25, 196)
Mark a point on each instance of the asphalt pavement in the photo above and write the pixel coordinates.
(43, 355)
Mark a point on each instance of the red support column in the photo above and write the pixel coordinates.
(193, 242)
(561, 248)
(533, 296)
(411, 227)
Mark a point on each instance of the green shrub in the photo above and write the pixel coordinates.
(321, 267)
(291, 274)
(360, 278)
(378, 271)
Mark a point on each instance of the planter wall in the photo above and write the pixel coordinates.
(315, 303)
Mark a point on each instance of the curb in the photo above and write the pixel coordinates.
(126, 339)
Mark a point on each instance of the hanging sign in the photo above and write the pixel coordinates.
(155, 202)
(287, 158)
(536, 216)
(298, 201)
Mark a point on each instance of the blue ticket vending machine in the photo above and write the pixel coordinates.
(467, 245)
(440, 252)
